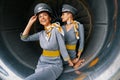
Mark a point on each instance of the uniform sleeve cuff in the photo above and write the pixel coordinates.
(23, 36)
(67, 58)
(80, 50)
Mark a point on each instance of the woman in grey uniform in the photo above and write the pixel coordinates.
(49, 65)
(74, 32)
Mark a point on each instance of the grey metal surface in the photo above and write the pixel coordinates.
(102, 27)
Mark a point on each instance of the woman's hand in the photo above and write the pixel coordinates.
(70, 63)
(32, 20)
(29, 25)
(79, 54)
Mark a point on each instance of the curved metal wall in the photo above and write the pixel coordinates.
(102, 28)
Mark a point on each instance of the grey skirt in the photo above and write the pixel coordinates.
(48, 68)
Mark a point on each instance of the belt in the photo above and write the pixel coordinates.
(50, 53)
(70, 46)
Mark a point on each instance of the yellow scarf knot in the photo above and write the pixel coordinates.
(49, 29)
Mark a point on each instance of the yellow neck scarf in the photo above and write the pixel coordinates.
(75, 23)
(49, 29)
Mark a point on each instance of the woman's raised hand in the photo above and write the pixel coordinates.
(32, 19)
(29, 25)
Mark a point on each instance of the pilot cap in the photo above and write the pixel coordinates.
(42, 7)
(69, 8)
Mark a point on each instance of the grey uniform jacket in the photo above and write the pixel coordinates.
(53, 64)
(71, 39)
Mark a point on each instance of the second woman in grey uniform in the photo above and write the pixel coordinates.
(74, 32)
(49, 65)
